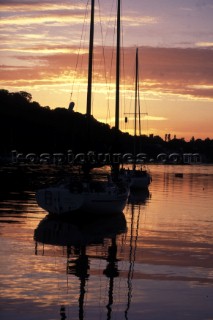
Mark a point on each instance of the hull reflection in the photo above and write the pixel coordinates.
(78, 236)
(75, 232)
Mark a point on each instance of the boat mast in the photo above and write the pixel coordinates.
(136, 92)
(117, 99)
(90, 64)
(139, 105)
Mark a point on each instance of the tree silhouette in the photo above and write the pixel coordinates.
(28, 127)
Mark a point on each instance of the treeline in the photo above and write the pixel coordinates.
(27, 127)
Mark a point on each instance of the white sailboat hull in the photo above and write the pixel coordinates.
(60, 200)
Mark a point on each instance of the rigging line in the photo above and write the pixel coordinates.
(104, 58)
(100, 283)
(59, 300)
(103, 52)
(136, 236)
(144, 124)
(110, 18)
(144, 102)
(109, 93)
(131, 93)
(147, 119)
(67, 282)
(139, 106)
(79, 49)
(129, 279)
(124, 80)
(82, 56)
(139, 119)
(133, 263)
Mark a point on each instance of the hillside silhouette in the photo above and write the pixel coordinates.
(26, 126)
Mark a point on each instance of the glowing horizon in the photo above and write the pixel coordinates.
(44, 51)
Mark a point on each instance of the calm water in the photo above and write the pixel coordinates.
(153, 262)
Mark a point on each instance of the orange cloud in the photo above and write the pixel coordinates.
(176, 71)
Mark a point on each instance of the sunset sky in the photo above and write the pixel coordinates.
(44, 51)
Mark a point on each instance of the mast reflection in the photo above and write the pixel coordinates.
(78, 237)
(111, 272)
(137, 199)
(80, 267)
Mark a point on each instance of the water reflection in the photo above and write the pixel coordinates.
(77, 236)
(91, 238)
(153, 262)
(78, 231)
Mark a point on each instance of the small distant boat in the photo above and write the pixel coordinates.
(136, 178)
(139, 179)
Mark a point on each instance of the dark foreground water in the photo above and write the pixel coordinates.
(153, 262)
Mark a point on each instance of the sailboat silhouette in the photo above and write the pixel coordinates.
(79, 194)
(136, 178)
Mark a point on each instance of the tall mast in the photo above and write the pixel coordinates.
(89, 86)
(117, 102)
